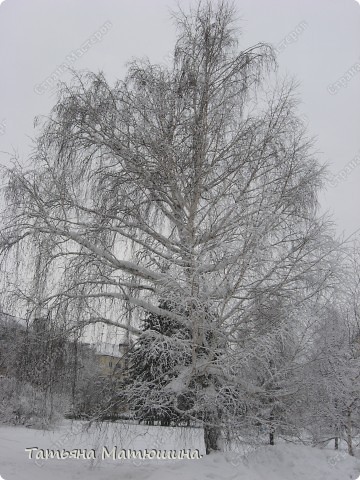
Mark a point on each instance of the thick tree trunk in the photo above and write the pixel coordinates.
(271, 430)
(349, 433)
(212, 436)
(336, 443)
(75, 371)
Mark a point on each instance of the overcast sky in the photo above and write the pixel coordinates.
(318, 42)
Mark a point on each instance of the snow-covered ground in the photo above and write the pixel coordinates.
(282, 462)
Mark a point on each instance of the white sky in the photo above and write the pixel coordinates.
(321, 45)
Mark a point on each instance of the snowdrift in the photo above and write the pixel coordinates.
(281, 462)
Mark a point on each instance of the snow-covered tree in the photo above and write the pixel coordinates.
(193, 183)
(158, 355)
(334, 365)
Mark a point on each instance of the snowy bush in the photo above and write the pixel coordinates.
(22, 404)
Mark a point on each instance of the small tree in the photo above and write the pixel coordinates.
(335, 371)
(156, 358)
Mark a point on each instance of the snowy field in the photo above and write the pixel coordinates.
(282, 462)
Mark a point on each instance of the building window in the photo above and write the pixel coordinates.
(110, 364)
